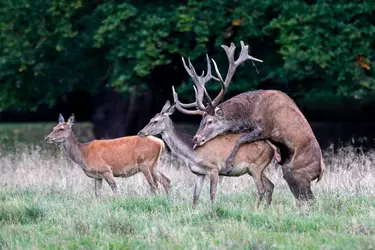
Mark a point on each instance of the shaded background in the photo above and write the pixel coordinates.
(113, 63)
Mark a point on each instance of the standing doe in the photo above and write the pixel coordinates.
(209, 159)
(106, 159)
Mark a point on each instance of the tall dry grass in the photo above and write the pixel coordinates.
(47, 167)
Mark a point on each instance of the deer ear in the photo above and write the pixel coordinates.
(166, 106)
(171, 110)
(61, 119)
(71, 120)
(219, 112)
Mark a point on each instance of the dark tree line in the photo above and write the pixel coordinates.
(125, 55)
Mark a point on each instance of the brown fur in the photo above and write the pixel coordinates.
(106, 159)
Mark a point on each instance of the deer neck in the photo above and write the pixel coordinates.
(73, 150)
(180, 148)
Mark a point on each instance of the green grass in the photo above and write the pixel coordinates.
(46, 202)
(52, 219)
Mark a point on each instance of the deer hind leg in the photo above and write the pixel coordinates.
(110, 179)
(300, 187)
(98, 186)
(253, 135)
(214, 178)
(150, 179)
(269, 189)
(161, 178)
(306, 165)
(260, 187)
(199, 180)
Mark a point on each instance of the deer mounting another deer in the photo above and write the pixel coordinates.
(209, 159)
(261, 114)
(107, 159)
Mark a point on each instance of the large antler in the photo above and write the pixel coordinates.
(199, 89)
(200, 81)
(244, 55)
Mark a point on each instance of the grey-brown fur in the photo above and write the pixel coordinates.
(270, 114)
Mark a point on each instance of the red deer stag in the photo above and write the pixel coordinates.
(209, 159)
(106, 159)
(261, 114)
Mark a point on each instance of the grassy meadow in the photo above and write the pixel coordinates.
(47, 202)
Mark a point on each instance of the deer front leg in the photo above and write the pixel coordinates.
(108, 176)
(251, 136)
(198, 187)
(98, 186)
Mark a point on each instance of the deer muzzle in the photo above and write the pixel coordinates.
(47, 139)
(142, 134)
(198, 141)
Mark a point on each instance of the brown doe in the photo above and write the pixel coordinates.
(261, 114)
(107, 159)
(209, 159)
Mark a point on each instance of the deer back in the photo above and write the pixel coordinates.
(218, 149)
(122, 152)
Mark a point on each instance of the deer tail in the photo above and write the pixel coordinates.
(162, 147)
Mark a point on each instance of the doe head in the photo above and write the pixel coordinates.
(159, 122)
(62, 131)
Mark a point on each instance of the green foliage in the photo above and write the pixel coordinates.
(43, 53)
(50, 48)
(330, 42)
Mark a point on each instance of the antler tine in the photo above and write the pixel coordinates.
(207, 78)
(233, 64)
(188, 105)
(181, 107)
(220, 79)
(229, 51)
(245, 48)
(244, 54)
(186, 67)
(192, 69)
(223, 90)
(199, 82)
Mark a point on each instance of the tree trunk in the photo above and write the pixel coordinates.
(114, 117)
(109, 115)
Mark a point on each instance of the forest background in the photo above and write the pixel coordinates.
(113, 62)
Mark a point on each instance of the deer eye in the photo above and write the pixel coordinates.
(61, 129)
(209, 122)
